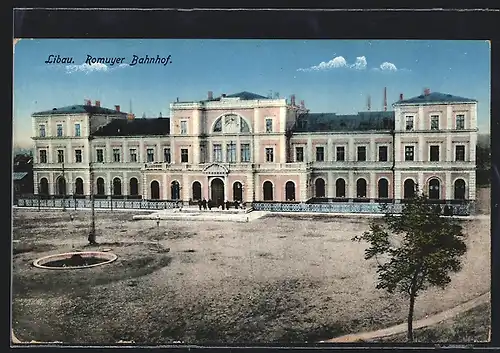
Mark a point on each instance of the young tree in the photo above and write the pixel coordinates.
(415, 250)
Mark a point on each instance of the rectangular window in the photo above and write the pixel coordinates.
(60, 156)
(460, 122)
(460, 153)
(269, 125)
(361, 153)
(59, 130)
(42, 130)
(269, 155)
(320, 154)
(166, 155)
(100, 155)
(245, 152)
(217, 152)
(203, 153)
(434, 154)
(409, 123)
(77, 130)
(434, 122)
(184, 127)
(299, 154)
(78, 156)
(340, 153)
(184, 155)
(231, 152)
(43, 156)
(382, 153)
(133, 155)
(116, 155)
(409, 153)
(150, 155)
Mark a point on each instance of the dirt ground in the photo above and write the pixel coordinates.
(274, 280)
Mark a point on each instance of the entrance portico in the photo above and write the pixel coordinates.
(217, 183)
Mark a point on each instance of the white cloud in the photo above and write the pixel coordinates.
(387, 66)
(336, 63)
(88, 68)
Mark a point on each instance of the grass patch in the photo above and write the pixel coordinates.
(22, 248)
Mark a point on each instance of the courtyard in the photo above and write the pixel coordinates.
(277, 279)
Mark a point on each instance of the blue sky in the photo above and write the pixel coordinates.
(351, 70)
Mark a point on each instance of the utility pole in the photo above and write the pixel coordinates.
(92, 224)
(64, 190)
(111, 194)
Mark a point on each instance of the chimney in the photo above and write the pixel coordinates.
(369, 103)
(88, 102)
(427, 91)
(302, 104)
(292, 100)
(385, 99)
(117, 108)
(401, 96)
(223, 95)
(210, 95)
(97, 103)
(130, 116)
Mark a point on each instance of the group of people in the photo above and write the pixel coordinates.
(203, 204)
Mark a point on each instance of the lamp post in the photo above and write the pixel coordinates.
(111, 194)
(38, 197)
(64, 189)
(92, 234)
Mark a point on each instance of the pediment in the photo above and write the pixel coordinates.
(216, 169)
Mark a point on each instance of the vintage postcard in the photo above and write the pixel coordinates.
(237, 192)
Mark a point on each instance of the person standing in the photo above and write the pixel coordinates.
(204, 204)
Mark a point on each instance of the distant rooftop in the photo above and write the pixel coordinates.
(135, 127)
(363, 121)
(80, 109)
(435, 97)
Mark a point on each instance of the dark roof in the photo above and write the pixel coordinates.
(241, 95)
(79, 109)
(436, 97)
(135, 127)
(19, 175)
(363, 121)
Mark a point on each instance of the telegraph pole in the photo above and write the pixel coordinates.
(64, 190)
(92, 224)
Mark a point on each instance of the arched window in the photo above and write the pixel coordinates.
(434, 189)
(100, 186)
(218, 125)
(383, 188)
(196, 191)
(340, 188)
(78, 186)
(268, 191)
(175, 190)
(409, 189)
(44, 187)
(237, 191)
(244, 126)
(459, 189)
(290, 191)
(117, 187)
(361, 188)
(61, 186)
(134, 187)
(319, 187)
(155, 190)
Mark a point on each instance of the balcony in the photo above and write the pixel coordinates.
(328, 165)
(283, 166)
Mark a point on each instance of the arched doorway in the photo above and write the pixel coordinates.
(340, 188)
(217, 191)
(268, 190)
(319, 187)
(290, 191)
(237, 191)
(61, 186)
(409, 189)
(361, 188)
(459, 189)
(155, 190)
(175, 190)
(196, 191)
(44, 186)
(78, 186)
(100, 186)
(383, 188)
(117, 187)
(434, 191)
(134, 187)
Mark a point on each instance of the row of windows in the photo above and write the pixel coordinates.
(434, 122)
(434, 153)
(62, 189)
(341, 154)
(60, 131)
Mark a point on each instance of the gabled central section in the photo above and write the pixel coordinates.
(216, 169)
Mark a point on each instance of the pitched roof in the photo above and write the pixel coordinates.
(241, 95)
(435, 97)
(79, 109)
(330, 122)
(19, 175)
(135, 127)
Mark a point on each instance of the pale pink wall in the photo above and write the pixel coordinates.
(405, 176)
(149, 178)
(177, 116)
(269, 143)
(177, 154)
(279, 182)
(270, 112)
(387, 176)
(409, 142)
(438, 110)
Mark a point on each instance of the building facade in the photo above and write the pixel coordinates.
(246, 147)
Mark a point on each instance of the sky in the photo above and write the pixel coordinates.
(329, 75)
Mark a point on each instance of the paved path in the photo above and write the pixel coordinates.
(428, 321)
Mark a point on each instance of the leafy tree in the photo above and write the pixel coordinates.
(415, 250)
